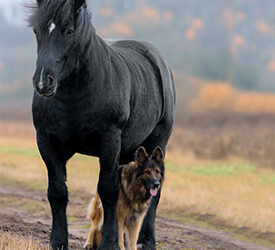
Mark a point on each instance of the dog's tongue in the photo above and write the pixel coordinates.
(153, 191)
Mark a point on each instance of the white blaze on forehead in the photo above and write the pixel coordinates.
(40, 84)
(52, 27)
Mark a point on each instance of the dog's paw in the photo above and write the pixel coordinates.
(87, 246)
(59, 247)
(139, 246)
(146, 247)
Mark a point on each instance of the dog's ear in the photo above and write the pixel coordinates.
(79, 3)
(141, 155)
(158, 155)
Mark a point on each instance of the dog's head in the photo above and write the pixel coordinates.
(150, 170)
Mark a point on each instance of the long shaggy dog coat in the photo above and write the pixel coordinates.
(140, 181)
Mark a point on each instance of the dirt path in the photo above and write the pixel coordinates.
(19, 217)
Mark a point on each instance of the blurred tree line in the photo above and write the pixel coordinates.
(217, 40)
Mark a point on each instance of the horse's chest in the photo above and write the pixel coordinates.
(77, 124)
(52, 118)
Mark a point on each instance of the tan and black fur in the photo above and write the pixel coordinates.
(140, 180)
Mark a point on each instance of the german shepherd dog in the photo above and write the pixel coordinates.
(139, 182)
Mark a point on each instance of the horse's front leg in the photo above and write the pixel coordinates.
(57, 191)
(108, 187)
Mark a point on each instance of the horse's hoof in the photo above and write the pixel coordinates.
(108, 246)
(87, 246)
(60, 247)
(146, 247)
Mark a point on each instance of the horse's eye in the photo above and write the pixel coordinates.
(69, 32)
(34, 31)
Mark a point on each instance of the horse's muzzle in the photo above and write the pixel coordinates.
(45, 85)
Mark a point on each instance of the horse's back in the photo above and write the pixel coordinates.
(153, 103)
(152, 54)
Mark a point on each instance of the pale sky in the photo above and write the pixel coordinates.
(12, 11)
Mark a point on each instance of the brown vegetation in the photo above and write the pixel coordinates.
(220, 97)
(222, 135)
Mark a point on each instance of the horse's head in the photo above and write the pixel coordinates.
(55, 24)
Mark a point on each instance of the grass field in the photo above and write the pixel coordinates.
(238, 192)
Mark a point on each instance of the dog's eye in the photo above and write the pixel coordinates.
(157, 171)
(147, 172)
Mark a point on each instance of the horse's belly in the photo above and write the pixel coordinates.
(135, 134)
(88, 144)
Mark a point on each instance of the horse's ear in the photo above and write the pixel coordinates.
(79, 3)
(141, 155)
(158, 155)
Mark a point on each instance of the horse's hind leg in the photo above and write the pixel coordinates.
(159, 137)
(57, 190)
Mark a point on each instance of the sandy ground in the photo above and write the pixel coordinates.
(170, 234)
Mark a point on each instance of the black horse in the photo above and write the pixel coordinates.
(95, 98)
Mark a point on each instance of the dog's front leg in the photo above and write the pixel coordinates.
(147, 233)
(108, 186)
(121, 232)
(133, 233)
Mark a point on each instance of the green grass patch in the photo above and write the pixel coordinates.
(33, 152)
(72, 219)
(20, 151)
(37, 185)
(85, 158)
(267, 179)
(207, 169)
(21, 204)
(226, 169)
(215, 169)
(189, 219)
(161, 245)
(85, 226)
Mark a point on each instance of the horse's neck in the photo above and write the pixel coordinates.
(90, 69)
(94, 60)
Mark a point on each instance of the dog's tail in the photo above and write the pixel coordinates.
(90, 209)
(95, 212)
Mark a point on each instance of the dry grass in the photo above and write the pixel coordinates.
(233, 189)
(238, 193)
(222, 135)
(14, 242)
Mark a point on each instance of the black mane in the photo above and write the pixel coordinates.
(62, 13)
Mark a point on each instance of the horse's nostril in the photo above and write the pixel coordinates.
(50, 80)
